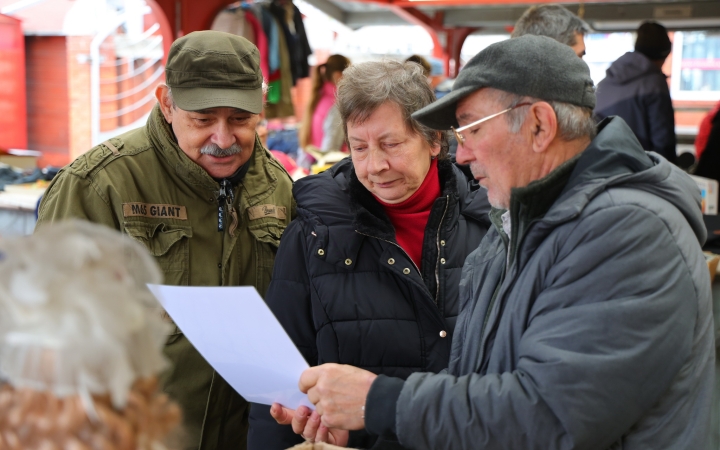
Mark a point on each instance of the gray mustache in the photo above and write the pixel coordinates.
(219, 152)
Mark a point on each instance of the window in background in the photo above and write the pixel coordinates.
(602, 49)
(696, 65)
(475, 43)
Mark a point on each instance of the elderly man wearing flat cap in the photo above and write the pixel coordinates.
(196, 187)
(586, 318)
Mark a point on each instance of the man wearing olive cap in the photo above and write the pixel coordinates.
(586, 320)
(196, 187)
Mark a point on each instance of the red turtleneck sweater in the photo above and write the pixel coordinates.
(410, 217)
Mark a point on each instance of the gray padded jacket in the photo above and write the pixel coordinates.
(596, 332)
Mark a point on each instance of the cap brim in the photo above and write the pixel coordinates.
(195, 98)
(440, 114)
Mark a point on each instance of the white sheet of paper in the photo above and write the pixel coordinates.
(235, 331)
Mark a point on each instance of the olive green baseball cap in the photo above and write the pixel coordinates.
(211, 69)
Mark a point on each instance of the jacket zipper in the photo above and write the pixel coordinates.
(225, 198)
(493, 300)
(437, 244)
(508, 266)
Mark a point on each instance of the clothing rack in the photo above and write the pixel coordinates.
(277, 29)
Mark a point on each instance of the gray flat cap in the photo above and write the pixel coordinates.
(533, 66)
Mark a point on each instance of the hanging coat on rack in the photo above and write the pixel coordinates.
(260, 41)
(233, 21)
(272, 32)
(295, 37)
(282, 81)
(304, 50)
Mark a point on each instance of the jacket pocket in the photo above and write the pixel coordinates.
(169, 244)
(266, 243)
(268, 233)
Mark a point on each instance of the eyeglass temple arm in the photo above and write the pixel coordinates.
(482, 120)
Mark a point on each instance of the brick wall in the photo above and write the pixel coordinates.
(108, 86)
(78, 79)
(47, 98)
(13, 98)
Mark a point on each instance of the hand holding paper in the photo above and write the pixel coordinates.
(307, 424)
(338, 393)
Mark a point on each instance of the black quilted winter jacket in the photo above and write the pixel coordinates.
(346, 293)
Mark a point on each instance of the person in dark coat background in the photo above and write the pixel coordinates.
(369, 273)
(636, 89)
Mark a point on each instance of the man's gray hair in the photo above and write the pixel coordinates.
(366, 86)
(574, 122)
(553, 21)
(169, 96)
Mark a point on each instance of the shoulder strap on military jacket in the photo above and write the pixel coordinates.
(106, 152)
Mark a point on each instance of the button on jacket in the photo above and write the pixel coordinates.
(143, 184)
(347, 293)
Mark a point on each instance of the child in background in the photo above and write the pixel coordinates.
(322, 126)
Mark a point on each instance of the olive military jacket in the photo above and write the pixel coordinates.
(142, 184)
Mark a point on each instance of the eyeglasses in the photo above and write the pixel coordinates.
(461, 139)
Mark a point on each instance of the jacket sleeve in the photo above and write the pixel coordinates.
(661, 120)
(608, 332)
(70, 196)
(288, 297)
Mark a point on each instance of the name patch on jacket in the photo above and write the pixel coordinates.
(260, 211)
(153, 210)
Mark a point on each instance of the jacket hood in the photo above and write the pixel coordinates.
(326, 193)
(629, 67)
(616, 158)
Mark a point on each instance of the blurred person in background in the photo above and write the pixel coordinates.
(369, 273)
(556, 22)
(636, 89)
(707, 146)
(424, 63)
(321, 126)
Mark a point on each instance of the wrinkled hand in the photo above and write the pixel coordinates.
(338, 393)
(307, 424)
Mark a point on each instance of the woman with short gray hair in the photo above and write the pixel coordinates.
(368, 274)
(372, 84)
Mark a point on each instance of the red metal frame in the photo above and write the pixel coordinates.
(165, 28)
(13, 101)
(193, 15)
(441, 3)
(447, 42)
